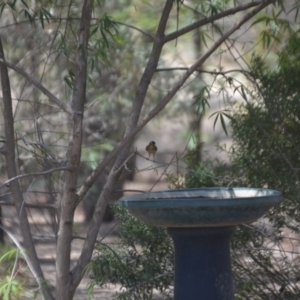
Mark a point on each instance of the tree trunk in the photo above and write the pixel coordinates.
(69, 191)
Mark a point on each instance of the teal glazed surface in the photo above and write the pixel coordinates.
(203, 207)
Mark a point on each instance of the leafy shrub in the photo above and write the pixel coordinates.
(266, 137)
(141, 261)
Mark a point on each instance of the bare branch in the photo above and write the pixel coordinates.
(163, 173)
(65, 288)
(223, 73)
(174, 35)
(35, 174)
(30, 205)
(137, 29)
(125, 162)
(38, 85)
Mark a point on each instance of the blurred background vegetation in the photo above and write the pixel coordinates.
(256, 106)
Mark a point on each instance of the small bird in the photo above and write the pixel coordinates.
(151, 149)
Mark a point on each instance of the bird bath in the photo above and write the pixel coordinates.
(201, 223)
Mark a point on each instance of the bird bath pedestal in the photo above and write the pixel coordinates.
(201, 223)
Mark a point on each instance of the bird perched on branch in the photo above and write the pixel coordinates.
(151, 149)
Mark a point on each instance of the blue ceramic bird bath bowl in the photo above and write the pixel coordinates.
(201, 223)
(205, 207)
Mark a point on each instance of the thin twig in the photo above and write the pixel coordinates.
(137, 29)
(125, 162)
(203, 71)
(38, 85)
(35, 174)
(30, 205)
(163, 173)
(213, 18)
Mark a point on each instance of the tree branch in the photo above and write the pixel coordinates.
(30, 205)
(38, 85)
(223, 73)
(35, 174)
(64, 283)
(137, 29)
(176, 34)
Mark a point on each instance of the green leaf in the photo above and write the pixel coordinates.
(243, 93)
(70, 78)
(8, 255)
(11, 4)
(48, 16)
(223, 124)
(28, 16)
(261, 19)
(201, 99)
(216, 119)
(220, 115)
(42, 19)
(2, 6)
(94, 30)
(229, 80)
(203, 36)
(24, 3)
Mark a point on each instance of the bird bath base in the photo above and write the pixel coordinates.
(202, 263)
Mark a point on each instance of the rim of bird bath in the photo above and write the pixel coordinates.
(201, 207)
